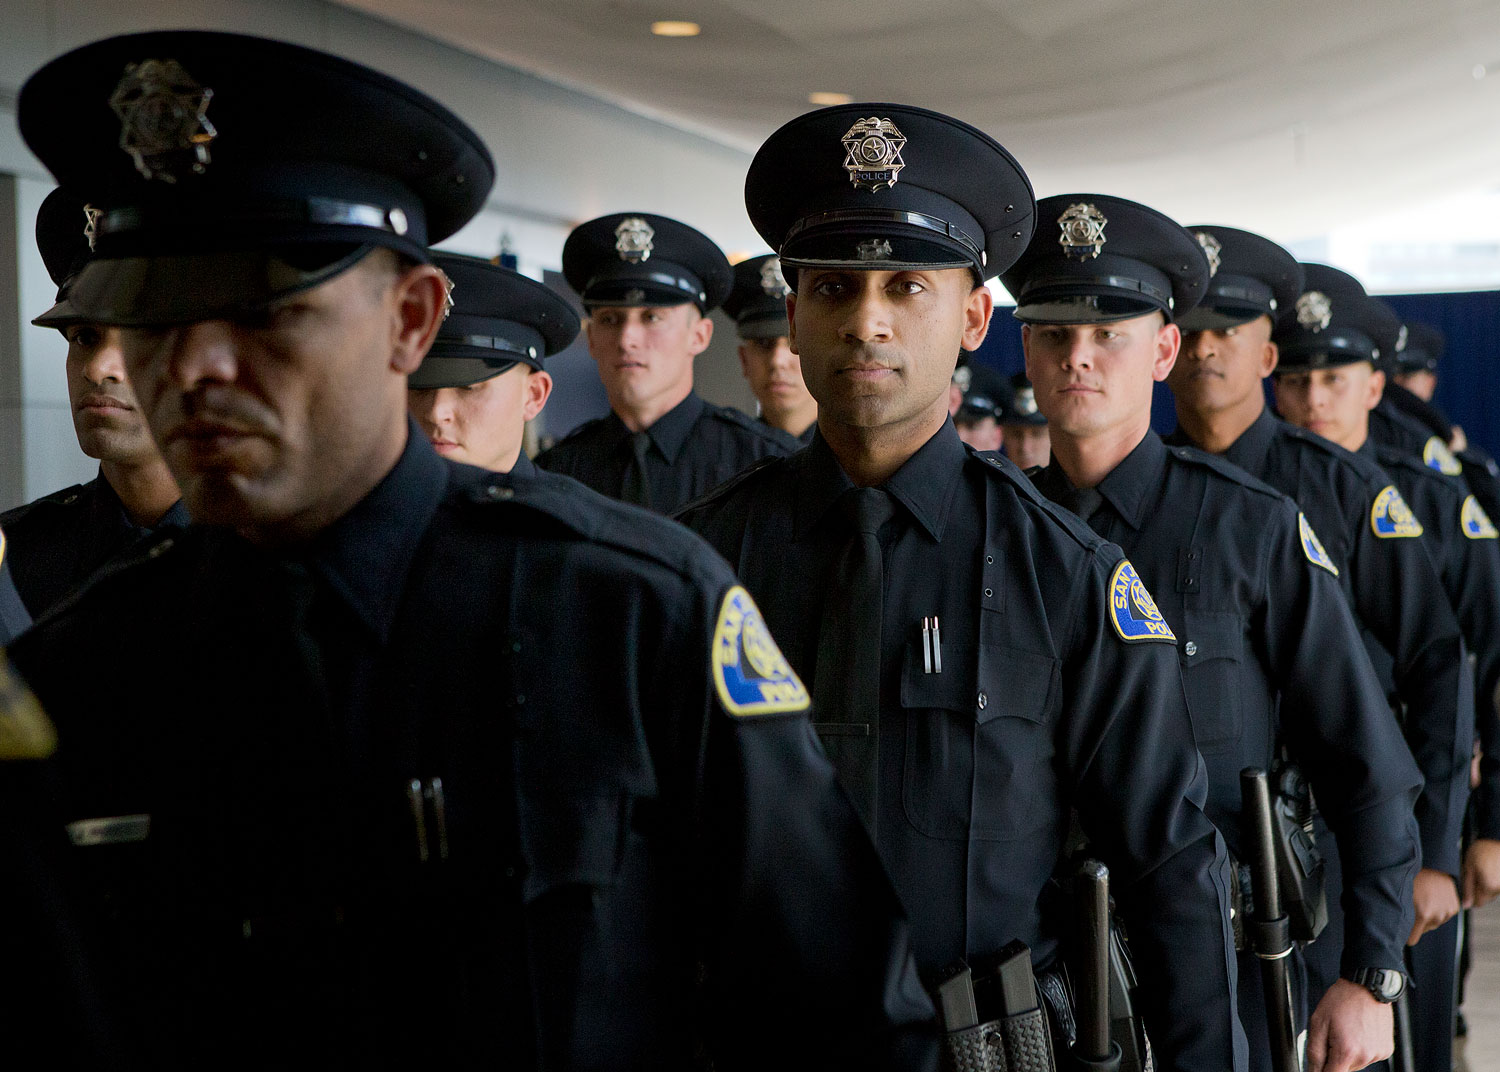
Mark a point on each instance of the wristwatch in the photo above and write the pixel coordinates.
(1384, 985)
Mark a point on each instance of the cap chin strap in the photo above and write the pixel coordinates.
(877, 217)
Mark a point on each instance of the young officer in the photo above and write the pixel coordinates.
(757, 304)
(1271, 656)
(483, 378)
(406, 786)
(977, 672)
(648, 284)
(1023, 426)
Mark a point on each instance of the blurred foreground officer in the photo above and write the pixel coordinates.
(60, 539)
(757, 304)
(1271, 656)
(1023, 426)
(416, 796)
(1327, 382)
(648, 284)
(973, 678)
(483, 378)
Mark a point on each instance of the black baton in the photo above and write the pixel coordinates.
(1268, 931)
(1094, 1050)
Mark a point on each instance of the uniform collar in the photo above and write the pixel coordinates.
(923, 484)
(1128, 486)
(524, 466)
(108, 505)
(366, 554)
(671, 429)
(1250, 449)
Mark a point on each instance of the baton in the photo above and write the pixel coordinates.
(1267, 928)
(1094, 1050)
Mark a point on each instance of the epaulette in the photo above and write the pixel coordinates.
(998, 465)
(1364, 466)
(724, 490)
(577, 431)
(1223, 467)
(63, 497)
(1390, 457)
(730, 415)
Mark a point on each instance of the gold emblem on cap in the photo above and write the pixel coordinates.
(633, 239)
(634, 296)
(448, 287)
(1212, 248)
(91, 225)
(772, 281)
(873, 249)
(163, 118)
(872, 154)
(1082, 231)
(1314, 311)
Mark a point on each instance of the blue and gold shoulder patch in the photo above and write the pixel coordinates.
(1436, 455)
(25, 730)
(1133, 610)
(1476, 523)
(1391, 518)
(1312, 547)
(749, 671)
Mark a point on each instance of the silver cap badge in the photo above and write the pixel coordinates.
(1213, 248)
(91, 225)
(1314, 310)
(1082, 231)
(1026, 401)
(873, 249)
(1401, 339)
(163, 119)
(448, 287)
(633, 239)
(772, 281)
(872, 154)
(634, 295)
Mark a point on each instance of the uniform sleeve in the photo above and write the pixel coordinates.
(1400, 598)
(1476, 595)
(1338, 727)
(802, 923)
(1140, 787)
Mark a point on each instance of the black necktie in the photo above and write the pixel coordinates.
(846, 679)
(1085, 502)
(636, 487)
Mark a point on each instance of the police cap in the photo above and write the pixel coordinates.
(1022, 408)
(1095, 259)
(1334, 322)
(637, 259)
(499, 317)
(64, 229)
(888, 187)
(230, 171)
(975, 408)
(1249, 277)
(758, 301)
(1423, 350)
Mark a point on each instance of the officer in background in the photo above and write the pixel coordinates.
(1417, 361)
(446, 811)
(60, 539)
(1271, 655)
(483, 378)
(648, 284)
(1023, 426)
(974, 680)
(757, 304)
(978, 421)
(1327, 381)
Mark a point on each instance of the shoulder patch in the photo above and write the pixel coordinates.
(1312, 547)
(1133, 610)
(25, 730)
(1476, 523)
(749, 671)
(1436, 455)
(1391, 518)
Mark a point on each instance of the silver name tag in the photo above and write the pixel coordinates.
(111, 830)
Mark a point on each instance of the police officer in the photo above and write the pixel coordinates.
(416, 793)
(648, 284)
(483, 378)
(973, 679)
(1023, 426)
(757, 304)
(1271, 656)
(1361, 520)
(978, 421)
(60, 539)
(1329, 383)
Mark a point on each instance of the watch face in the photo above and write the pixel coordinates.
(1384, 984)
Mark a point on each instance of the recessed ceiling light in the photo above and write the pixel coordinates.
(822, 97)
(673, 28)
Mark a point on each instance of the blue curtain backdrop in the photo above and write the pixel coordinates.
(1468, 378)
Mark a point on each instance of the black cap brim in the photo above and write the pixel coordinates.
(436, 372)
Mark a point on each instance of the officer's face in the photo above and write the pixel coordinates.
(1421, 383)
(1333, 402)
(1096, 379)
(774, 373)
(646, 353)
(983, 434)
(108, 421)
(1221, 370)
(878, 348)
(277, 423)
(482, 424)
(1028, 444)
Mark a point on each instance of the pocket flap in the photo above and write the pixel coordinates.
(1210, 635)
(571, 840)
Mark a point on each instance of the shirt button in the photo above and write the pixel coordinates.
(988, 592)
(494, 491)
(1191, 648)
(984, 700)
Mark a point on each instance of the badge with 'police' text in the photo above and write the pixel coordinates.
(1476, 523)
(1391, 518)
(1312, 547)
(1133, 610)
(1436, 455)
(749, 671)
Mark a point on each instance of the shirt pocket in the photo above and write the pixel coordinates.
(572, 844)
(1212, 653)
(979, 744)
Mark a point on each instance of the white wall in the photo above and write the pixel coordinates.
(562, 157)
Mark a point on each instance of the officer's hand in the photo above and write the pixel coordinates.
(1481, 873)
(1349, 1030)
(1459, 442)
(1436, 898)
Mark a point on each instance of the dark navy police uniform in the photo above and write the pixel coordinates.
(14, 617)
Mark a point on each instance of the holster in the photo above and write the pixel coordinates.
(1300, 870)
(1020, 1043)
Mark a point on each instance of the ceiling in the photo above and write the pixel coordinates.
(1288, 117)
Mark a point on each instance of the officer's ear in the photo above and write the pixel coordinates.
(419, 298)
(700, 332)
(1168, 343)
(1376, 389)
(1270, 357)
(978, 307)
(791, 321)
(538, 390)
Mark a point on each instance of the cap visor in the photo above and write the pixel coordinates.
(60, 315)
(435, 372)
(1200, 318)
